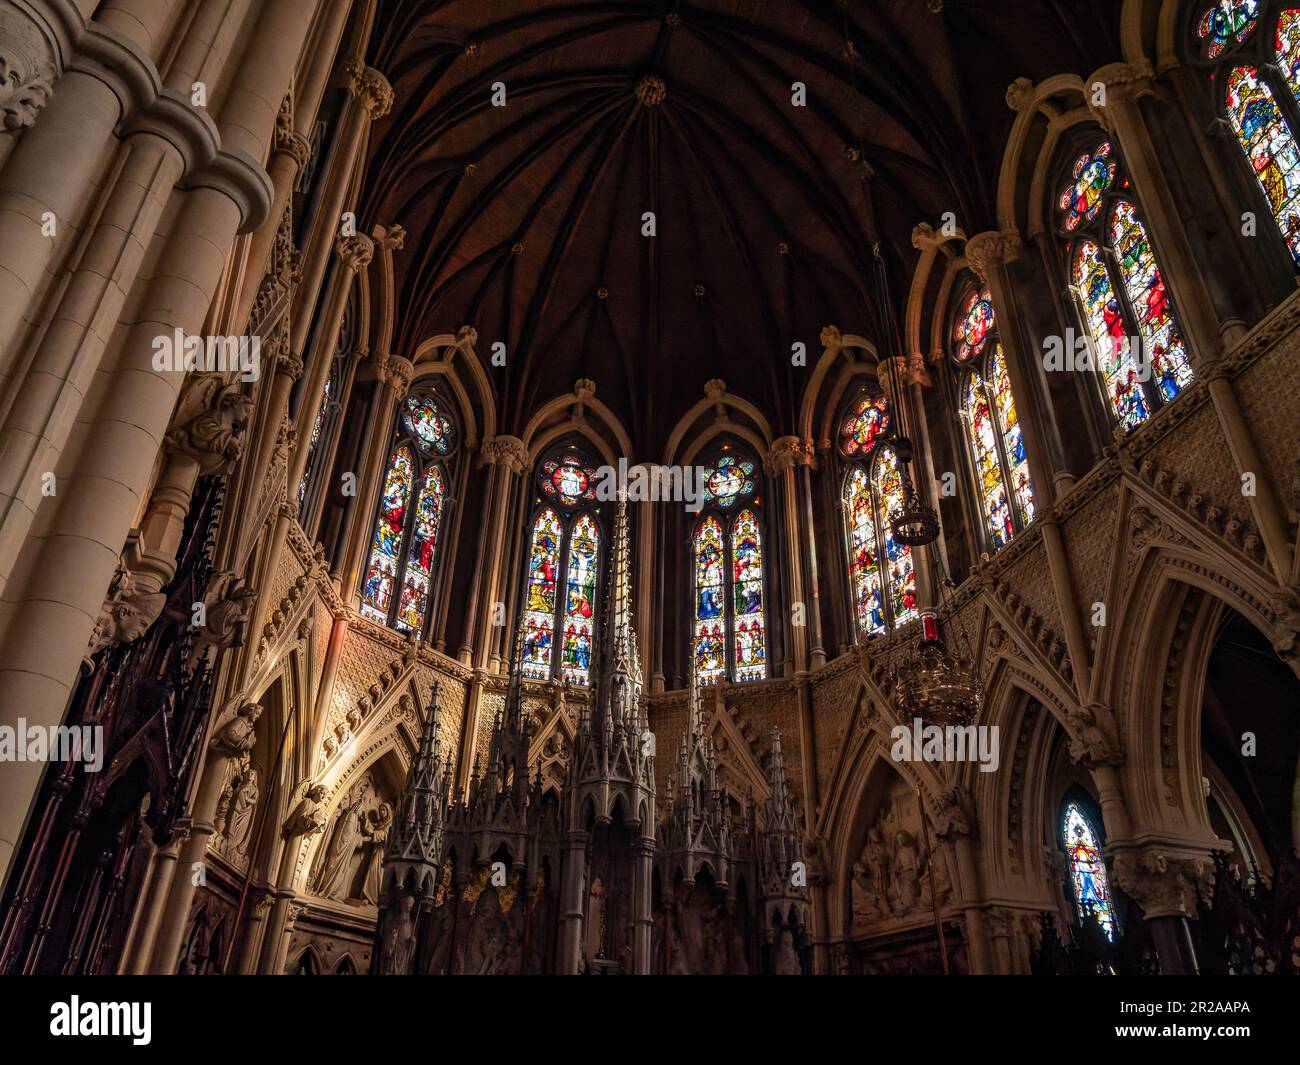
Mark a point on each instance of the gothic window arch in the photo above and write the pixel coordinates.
(395, 589)
(1250, 50)
(990, 422)
(563, 571)
(882, 575)
(1133, 336)
(1089, 882)
(729, 573)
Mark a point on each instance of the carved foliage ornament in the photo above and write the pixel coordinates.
(26, 73)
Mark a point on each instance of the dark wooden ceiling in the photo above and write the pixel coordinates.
(525, 221)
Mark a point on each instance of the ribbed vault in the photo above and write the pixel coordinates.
(526, 220)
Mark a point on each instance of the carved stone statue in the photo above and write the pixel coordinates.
(239, 827)
(907, 871)
(308, 817)
(377, 835)
(1094, 736)
(868, 892)
(125, 615)
(333, 880)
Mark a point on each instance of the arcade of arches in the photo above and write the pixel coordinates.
(326, 326)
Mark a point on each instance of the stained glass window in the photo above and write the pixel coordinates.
(399, 573)
(569, 480)
(1093, 174)
(992, 428)
(1164, 348)
(991, 485)
(709, 639)
(1004, 406)
(868, 419)
(557, 625)
(1226, 21)
(729, 480)
(747, 588)
(1087, 870)
(427, 424)
(973, 325)
(1287, 46)
(864, 571)
(900, 573)
(1115, 355)
(386, 548)
(1269, 145)
(539, 606)
(728, 623)
(580, 598)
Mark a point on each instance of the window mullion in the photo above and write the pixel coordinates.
(408, 531)
(561, 596)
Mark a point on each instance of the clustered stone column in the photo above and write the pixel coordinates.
(106, 378)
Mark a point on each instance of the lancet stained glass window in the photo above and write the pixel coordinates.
(1256, 80)
(558, 631)
(987, 410)
(1087, 870)
(400, 571)
(1135, 340)
(729, 625)
(882, 578)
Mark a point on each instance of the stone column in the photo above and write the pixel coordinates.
(232, 742)
(395, 374)
(370, 98)
(990, 255)
(643, 921)
(954, 824)
(785, 455)
(355, 254)
(52, 600)
(1166, 884)
(573, 880)
(510, 455)
(307, 819)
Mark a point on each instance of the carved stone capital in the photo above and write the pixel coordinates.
(356, 251)
(209, 422)
(369, 87)
(395, 371)
(992, 248)
(787, 452)
(925, 237)
(1116, 83)
(714, 389)
(391, 237)
(507, 449)
(27, 72)
(1163, 885)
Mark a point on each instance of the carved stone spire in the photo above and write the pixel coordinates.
(416, 837)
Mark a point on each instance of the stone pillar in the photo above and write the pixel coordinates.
(395, 374)
(232, 741)
(370, 98)
(149, 917)
(785, 455)
(1166, 884)
(573, 880)
(990, 255)
(1076, 640)
(355, 253)
(307, 819)
(642, 921)
(510, 455)
(955, 824)
(53, 596)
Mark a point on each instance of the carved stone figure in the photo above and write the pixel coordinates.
(239, 828)
(907, 871)
(308, 817)
(1094, 736)
(377, 834)
(333, 880)
(125, 615)
(868, 892)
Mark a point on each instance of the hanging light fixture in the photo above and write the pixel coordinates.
(915, 523)
(935, 684)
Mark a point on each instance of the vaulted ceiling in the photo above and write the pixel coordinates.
(526, 220)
